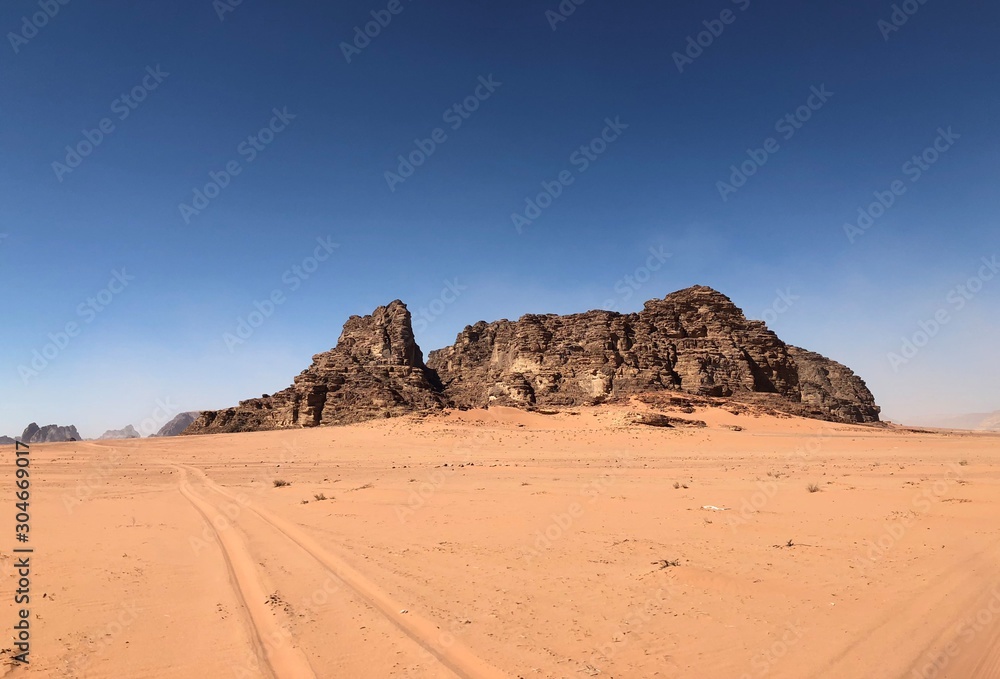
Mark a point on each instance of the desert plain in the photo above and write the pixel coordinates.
(505, 543)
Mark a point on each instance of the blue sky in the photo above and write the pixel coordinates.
(199, 90)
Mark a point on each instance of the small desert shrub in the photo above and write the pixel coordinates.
(963, 463)
(319, 497)
(812, 488)
(677, 484)
(281, 483)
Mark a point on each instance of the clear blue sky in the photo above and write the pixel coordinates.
(323, 174)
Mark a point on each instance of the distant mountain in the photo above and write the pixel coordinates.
(177, 425)
(128, 432)
(973, 421)
(7, 441)
(52, 433)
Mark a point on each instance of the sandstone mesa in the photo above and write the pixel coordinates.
(694, 341)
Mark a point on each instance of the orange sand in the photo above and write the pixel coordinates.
(549, 546)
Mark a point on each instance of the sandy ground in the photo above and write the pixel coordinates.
(509, 544)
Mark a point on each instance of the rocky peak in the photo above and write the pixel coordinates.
(51, 433)
(376, 370)
(383, 338)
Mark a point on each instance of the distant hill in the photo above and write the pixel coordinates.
(973, 421)
(7, 441)
(177, 425)
(51, 433)
(128, 432)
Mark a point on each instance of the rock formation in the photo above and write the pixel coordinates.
(178, 424)
(128, 432)
(29, 432)
(695, 341)
(51, 433)
(376, 370)
(7, 441)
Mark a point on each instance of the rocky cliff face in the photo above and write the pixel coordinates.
(51, 433)
(695, 341)
(376, 370)
(128, 432)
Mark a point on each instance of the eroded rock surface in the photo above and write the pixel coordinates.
(694, 341)
(376, 370)
(52, 433)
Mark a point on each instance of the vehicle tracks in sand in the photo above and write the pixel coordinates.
(445, 649)
(275, 659)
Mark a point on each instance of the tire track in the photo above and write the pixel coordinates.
(278, 658)
(453, 655)
(894, 626)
